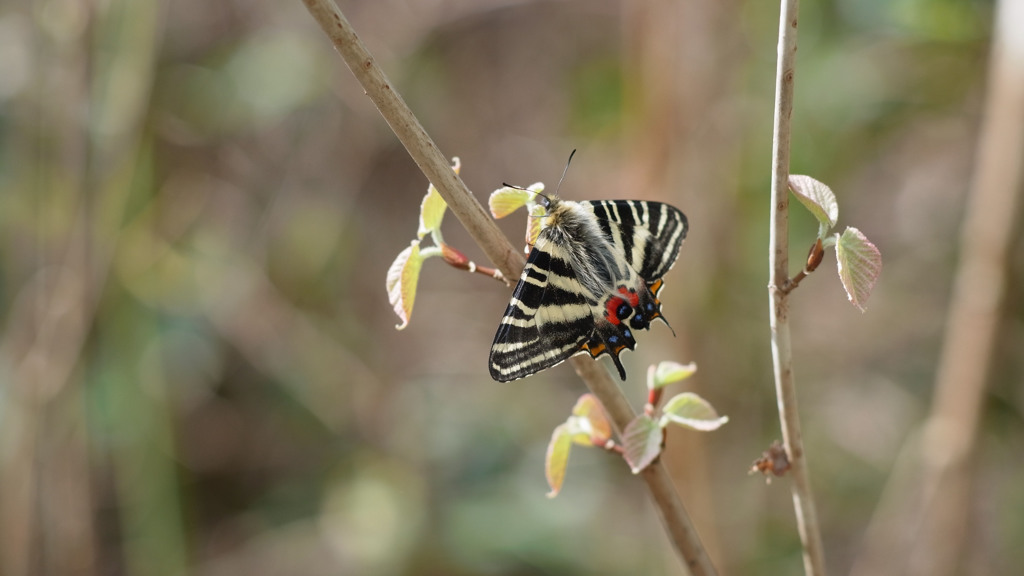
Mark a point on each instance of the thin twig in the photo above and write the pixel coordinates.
(457, 259)
(414, 137)
(500, 251)
(814, 258)
(793, 282)
(778, 258)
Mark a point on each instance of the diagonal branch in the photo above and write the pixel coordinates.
(778, 258)
(500, 251)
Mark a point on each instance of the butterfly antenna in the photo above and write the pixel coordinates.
(566, 170)
(524, 189)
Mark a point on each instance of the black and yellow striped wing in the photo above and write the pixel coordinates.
(548, 319)
(592, 278)
(648, 233)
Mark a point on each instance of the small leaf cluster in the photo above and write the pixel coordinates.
(859, 261)
(404, 273)
(644, 437)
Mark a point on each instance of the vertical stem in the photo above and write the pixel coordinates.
(778, 259)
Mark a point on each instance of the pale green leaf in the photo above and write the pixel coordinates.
(433, 206)
(860, 264)
(641, 442)
(557, 459)
(668, 373)
(589, 408)
(431, 212)
(580, 430)
(692, 411)
(586, 404)
(402, 278)
(507, 200)
(816, 197)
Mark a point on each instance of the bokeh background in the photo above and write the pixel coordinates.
(200, 368)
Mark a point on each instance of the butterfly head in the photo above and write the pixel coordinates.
(551, 209)
(547, 202)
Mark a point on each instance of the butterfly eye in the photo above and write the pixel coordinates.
(543, 201)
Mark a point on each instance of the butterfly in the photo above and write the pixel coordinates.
(591, 279)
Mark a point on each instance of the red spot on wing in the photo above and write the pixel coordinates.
(630, 295)
(611, 306)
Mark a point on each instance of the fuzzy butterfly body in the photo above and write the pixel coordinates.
(592, 278)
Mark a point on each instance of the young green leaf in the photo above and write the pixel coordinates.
(860, 264)
(641, 442)
(580, 431)
(589, 408)
(557, 458)
(401, 281)
(692, 411)
(818, 198)
(507, 199)
(668, 373)
(433, 206)
(431, 212)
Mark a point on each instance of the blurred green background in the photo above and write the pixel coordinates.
(200, 371)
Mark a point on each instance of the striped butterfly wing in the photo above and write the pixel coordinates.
(647, 236)
(548, 319)
(648, 233)
(552, 316)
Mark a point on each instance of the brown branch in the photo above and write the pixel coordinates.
(500, 251)
(793, 282)
(414, 137)
(457, 259)
(778, 258)
(814, 258)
